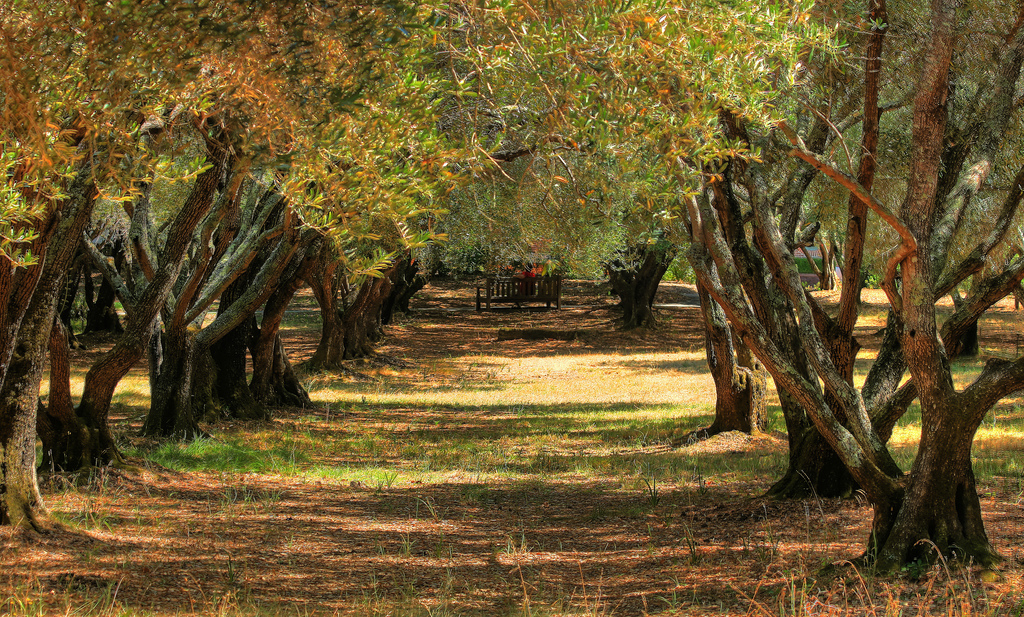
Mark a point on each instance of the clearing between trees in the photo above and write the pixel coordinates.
(458, 474)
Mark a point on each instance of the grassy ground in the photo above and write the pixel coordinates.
(456, 474)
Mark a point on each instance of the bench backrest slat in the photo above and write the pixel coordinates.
(540, 286)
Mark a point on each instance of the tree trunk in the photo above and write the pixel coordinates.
(740, 388)
(273, 380)
(940, 510)
(21, 505)
(634, 276)
(362, 319)
(65, 447)
(966, 344)
(827, 278)
(278, 384)
(330, 350)
(814, 466)
(348, 331)
(969, 341)
(66, 301)
(241, 271)
(20, 502)
(406, 281)
(221, 389)
(814, 470)
(171, 413)
(102, 316)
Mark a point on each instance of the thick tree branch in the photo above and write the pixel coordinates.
(999, 378)
(110, 273)
(800, 151)
(983, 297)
(976, 259)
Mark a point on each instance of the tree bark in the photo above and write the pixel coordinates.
(20, 502)
(965, 343)
(101, 316)
(741, 385)
(406, 280)
(940, 513)
(349, 329)
(65, 447)
(273, 380)
(171, 412)
(66, 301)
(634, 276)
(278, 385)
(827, 278)
(814, 467)
(221, 388)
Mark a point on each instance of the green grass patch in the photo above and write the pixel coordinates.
(228, 454)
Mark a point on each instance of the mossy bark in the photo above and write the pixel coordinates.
(20, 501)
(741, 385)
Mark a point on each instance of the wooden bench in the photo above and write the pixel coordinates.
(511, 290)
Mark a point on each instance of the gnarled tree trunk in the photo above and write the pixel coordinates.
(273, 380)
(221, 388)
(634, 275)
(741, 385)
(940, 505)
(101, 315)
(66, 443)
(406, 281)
(171, 412)
(20, 502)
(350, 324)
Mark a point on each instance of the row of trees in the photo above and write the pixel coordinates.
(255, 147)
(736, 130)
(206, 160)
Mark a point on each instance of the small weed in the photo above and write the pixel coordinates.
(407, 545)
(514, 549)
(691, 544)
(651, 486)
(428, 505)
(700, 480)
(673, 601)
(386, 480)
(442, 549)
